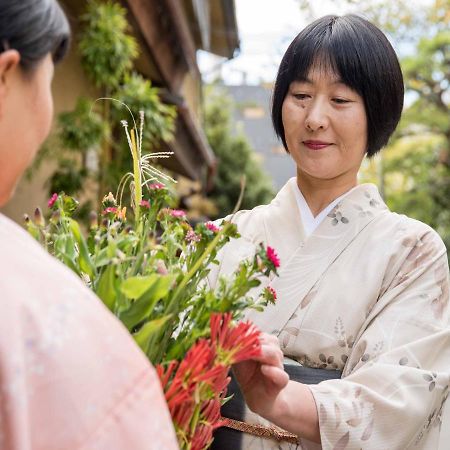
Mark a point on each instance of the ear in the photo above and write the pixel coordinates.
(9, 61)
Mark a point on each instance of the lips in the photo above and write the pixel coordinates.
(316, 145)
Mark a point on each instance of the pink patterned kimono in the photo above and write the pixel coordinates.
(70, 376)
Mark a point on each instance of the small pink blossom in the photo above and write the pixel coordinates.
(145, 204)
(110, 210)
(52, 200)
(212, 227)
(192, 236)
(272, 257)
(177, 213)
(270, 294)
(156, 186)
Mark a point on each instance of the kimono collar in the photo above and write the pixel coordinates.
(310, 223)
(283, 226)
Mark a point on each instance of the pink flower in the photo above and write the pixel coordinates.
(272, 257)
(177, 213)
(145, 204)
(109, 210)
(270, 294)
(156, 186)
(212, 227)
(192, 236)
(52, 200)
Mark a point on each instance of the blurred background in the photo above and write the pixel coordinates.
(202, 71)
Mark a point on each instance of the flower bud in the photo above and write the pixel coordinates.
(56, 216)
(39, 218)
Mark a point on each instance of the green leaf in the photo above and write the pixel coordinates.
(149, 330)
(134, 287)
(143, 306)
(106, 288)
(84, 259)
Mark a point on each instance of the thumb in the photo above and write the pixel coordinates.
(276, 375)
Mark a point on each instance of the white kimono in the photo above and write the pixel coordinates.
(366, 293)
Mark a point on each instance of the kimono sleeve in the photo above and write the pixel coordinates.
(396, 379)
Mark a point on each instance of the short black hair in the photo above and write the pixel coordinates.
(361, 55)
(34, 28)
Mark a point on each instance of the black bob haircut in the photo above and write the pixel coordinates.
(360, 54)
(34, 28)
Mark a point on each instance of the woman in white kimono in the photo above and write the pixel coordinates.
(71, 377)
(362, 292)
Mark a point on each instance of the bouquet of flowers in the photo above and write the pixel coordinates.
(149, 266)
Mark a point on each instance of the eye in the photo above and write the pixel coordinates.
(300, 96)
(340, 101)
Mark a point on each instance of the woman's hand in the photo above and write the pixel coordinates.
(269, 392)
(262, 379)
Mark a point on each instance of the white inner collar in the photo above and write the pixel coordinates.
(310, 223)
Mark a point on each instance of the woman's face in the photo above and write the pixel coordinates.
(26, 110)
(325, 128)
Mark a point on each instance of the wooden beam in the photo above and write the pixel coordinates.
(158, 30)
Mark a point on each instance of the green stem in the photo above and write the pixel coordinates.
(137, 176)
(212, 245)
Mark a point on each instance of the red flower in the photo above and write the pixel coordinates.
(234, 344)
(272, 257)
(52, 200)
(145, 204)
(195, 388)
(212, 227)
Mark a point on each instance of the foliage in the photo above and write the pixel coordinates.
(416, 164)
(150, 269)
(235, 158)
(107, 52)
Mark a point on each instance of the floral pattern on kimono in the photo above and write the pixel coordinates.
(71, 377)
(366, 293)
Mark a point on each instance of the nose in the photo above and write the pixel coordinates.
(317, 115)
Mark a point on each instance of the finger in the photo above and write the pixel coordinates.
(270, 355)
(267, 338)
(276, 375)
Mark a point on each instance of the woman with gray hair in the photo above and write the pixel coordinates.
(71, 377)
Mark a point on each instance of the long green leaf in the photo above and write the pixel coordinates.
(149, 330)
(85, 262)
(106, 287)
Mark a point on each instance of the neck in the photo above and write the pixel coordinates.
(320, 193)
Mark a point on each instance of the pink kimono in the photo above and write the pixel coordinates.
(70, 376)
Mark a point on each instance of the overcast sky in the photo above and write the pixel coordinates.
(266, 27)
